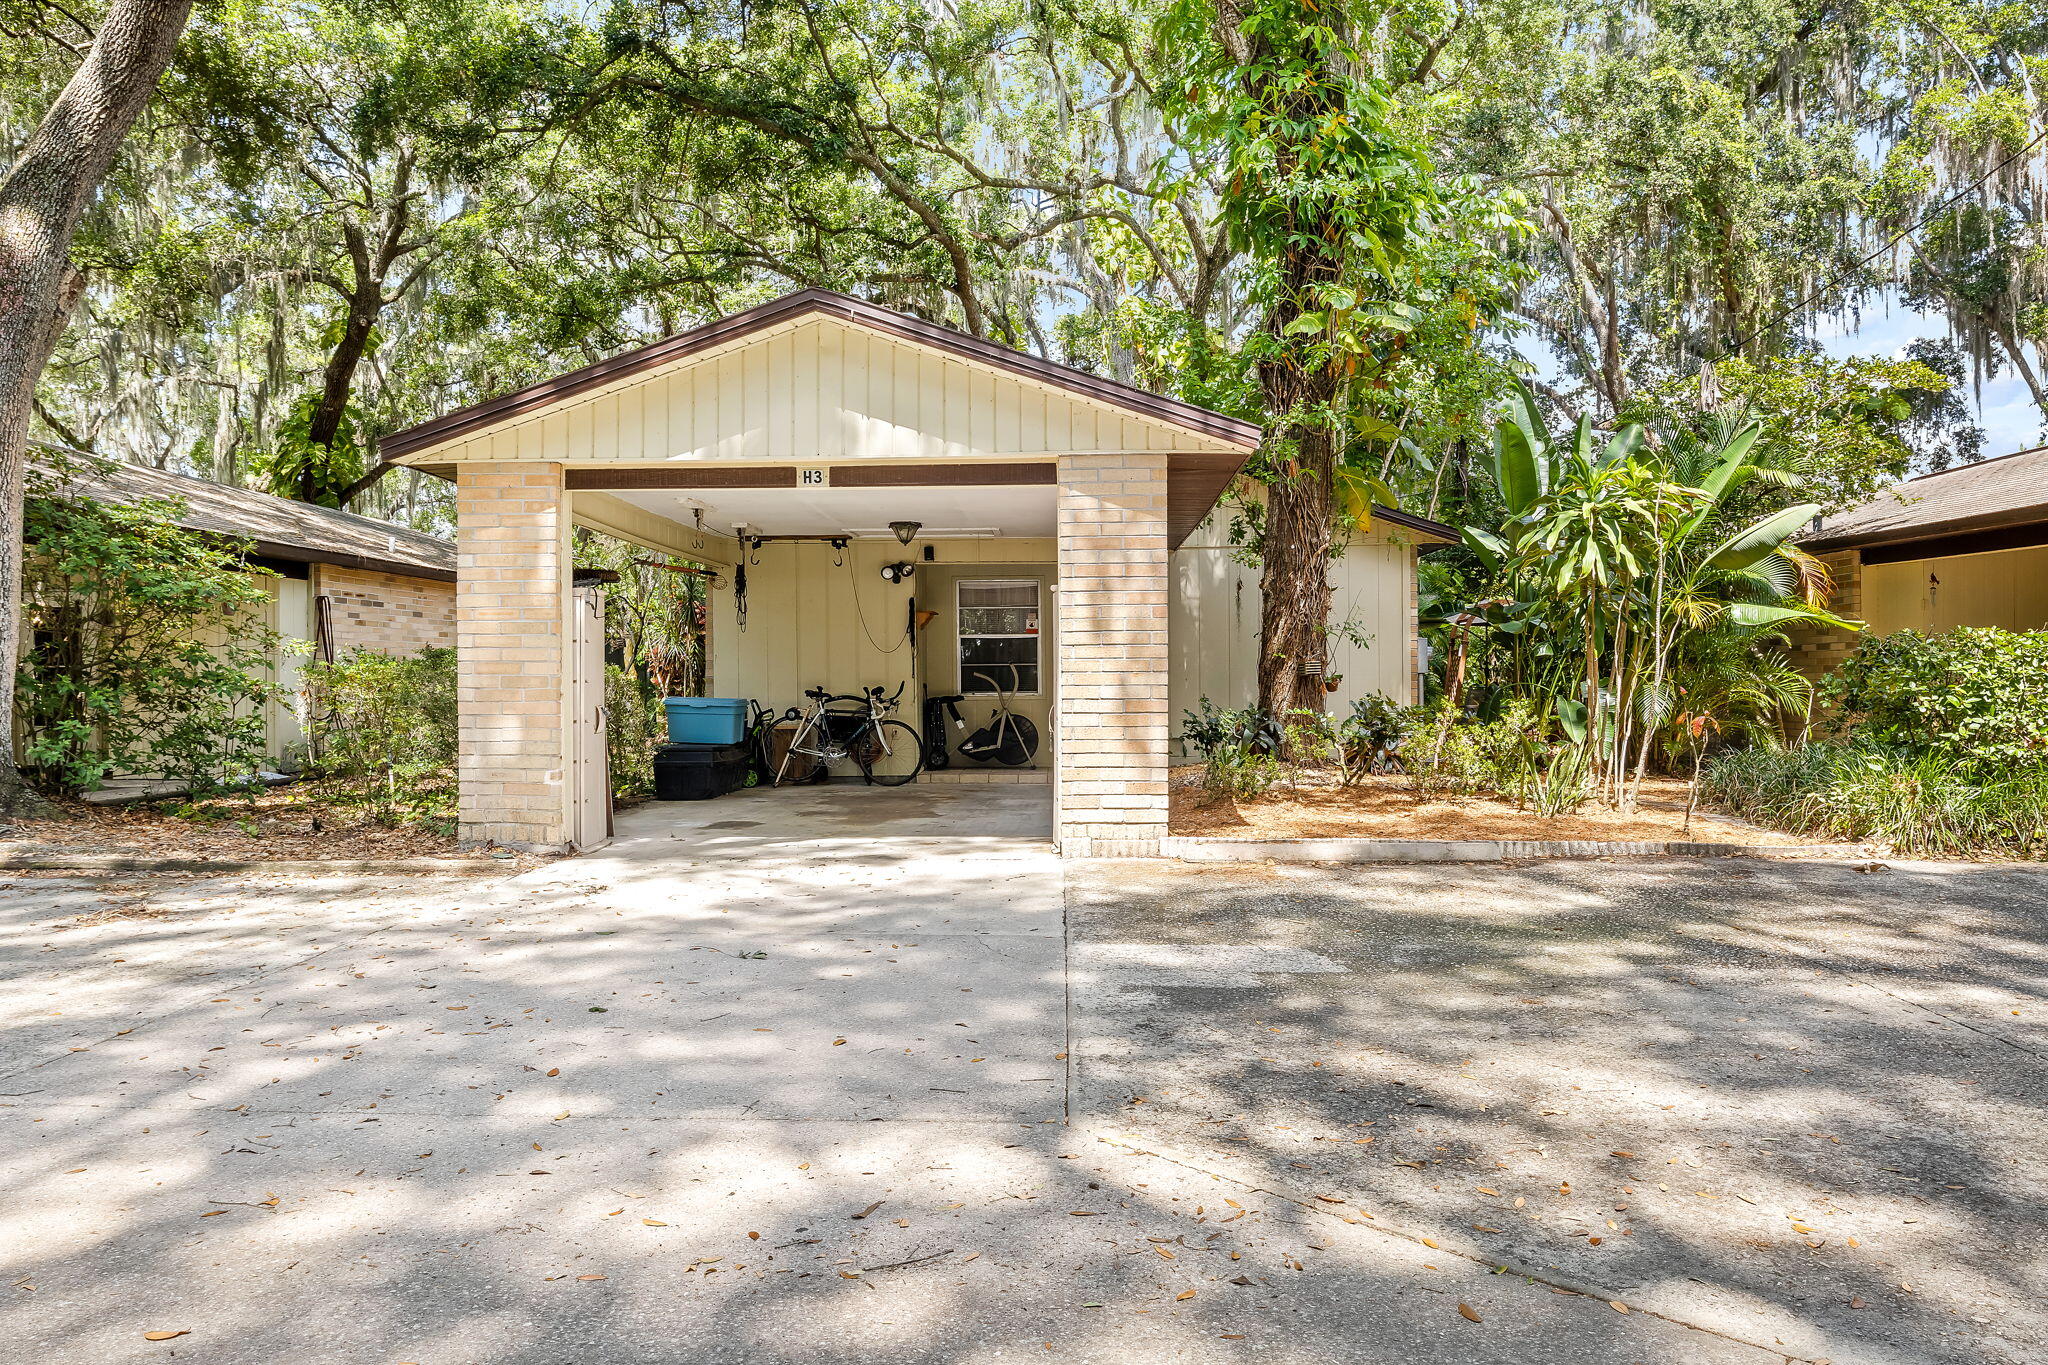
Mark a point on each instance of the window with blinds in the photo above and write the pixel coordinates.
(998, 621)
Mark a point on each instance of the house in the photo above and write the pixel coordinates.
(1965, 547)
(888, 503)
(343, 582)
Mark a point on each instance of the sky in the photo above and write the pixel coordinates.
(2004, 409)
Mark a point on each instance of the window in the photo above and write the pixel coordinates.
(999, 631)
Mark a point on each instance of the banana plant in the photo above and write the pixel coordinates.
(1622, 546)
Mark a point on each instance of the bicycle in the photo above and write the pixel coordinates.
(866, 736)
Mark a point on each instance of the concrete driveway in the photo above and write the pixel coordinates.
(778, 1092)
(1796, 1104)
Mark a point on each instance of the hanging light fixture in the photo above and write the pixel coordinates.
(906, 531)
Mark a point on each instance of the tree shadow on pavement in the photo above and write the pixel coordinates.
(1791, 1102)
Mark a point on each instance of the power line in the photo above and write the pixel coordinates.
(1735, 348)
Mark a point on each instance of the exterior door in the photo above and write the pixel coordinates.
(589, 770)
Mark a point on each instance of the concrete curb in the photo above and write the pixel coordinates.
(301, 867)
(1193, 849)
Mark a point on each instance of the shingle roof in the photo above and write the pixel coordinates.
(2009, 490)
(281, 529)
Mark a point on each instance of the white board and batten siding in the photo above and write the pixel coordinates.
(819, 391)
(1213, 630)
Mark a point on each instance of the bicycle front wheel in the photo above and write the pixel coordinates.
(890, 753)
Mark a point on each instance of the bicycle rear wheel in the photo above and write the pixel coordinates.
(890, 753)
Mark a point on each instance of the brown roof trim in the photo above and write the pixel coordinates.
(1420, 525)
(532, 398)
(1930, 530)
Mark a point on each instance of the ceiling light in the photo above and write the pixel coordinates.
(906, 531)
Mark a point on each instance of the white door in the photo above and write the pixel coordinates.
(589, 772)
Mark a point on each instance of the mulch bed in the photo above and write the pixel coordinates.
(296, 822)
(1385, 807)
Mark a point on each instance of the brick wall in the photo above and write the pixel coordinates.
(512, 553)
(1113, 720)
(390, 613)
(1817, 649)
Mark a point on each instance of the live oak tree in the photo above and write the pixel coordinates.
(45, 193)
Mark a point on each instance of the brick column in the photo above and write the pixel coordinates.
(511, 615)
(1111, 776)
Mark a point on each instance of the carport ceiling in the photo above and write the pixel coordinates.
(1002, 511)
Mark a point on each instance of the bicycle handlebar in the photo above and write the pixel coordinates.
(867, 694)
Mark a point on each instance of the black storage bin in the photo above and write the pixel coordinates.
(698, 772)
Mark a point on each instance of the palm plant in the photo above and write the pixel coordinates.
(1626, 547)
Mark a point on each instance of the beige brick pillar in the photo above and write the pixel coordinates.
(1110, 781)
(512, 598)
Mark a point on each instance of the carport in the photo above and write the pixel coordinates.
(788, 446)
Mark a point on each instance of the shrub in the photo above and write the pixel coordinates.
(1922, 803)
(634, 726)
(384, 727)
(1370, 737)
(1239, 749)
(1974, 693)
(1448, 753)
(144, 650)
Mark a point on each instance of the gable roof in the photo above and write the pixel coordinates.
(549, 392)
(2007, 490)
(280, 529)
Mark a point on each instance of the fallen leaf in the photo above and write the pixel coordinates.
(554, 1071)
(1617, 1305)
(1164, 1252)
(1483, 1190)
(1626, 1156)
(654, 1223)
(1184, 1295)
(1331, 1198)
(1431, 1245)
(166, 1336)
(1466, 1311)
(590, 1277)
(753, 1236)
(870, 1208)
(215, 1213)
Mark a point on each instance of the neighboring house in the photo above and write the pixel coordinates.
(343, 582)
(811, 450)
(1965, 547)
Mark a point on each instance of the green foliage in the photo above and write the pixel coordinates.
(145, 648)
(1240, 750)
(1926, 803)
(1841, 429)
(384, 729)
(1973, 694)
(634, 726)
(295, 466)
(1514, 755)
(1369, 739)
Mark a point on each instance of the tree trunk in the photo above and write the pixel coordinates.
(43, 197)
(1299, 391)
(1294, 617)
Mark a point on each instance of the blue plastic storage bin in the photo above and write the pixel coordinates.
(706, 720)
